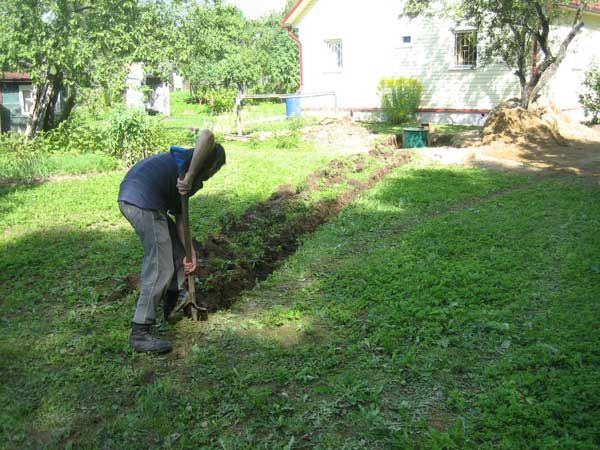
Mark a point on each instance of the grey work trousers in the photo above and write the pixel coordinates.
(163, 258)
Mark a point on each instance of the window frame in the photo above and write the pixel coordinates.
(22, 99)
(403, 44)
(334, 56)
(456, 32)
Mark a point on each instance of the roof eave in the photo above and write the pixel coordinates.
(295, 15)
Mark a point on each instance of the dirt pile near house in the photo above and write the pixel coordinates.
(567, 127)
(543, 126)
(509, 123)
(252, 246)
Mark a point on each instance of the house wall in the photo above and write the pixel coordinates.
(564, 88)
(372, 33)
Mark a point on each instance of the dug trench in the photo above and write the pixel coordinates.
(250, 247)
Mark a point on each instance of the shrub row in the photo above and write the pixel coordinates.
(127, 135)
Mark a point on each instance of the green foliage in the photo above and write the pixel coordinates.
(400, 98)
(85, 46)
(132, 135)
(591, 98)
(279, 56)
(46, 155)
(218, 99)
(220, 49)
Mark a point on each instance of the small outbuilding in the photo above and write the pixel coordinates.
(16, 91)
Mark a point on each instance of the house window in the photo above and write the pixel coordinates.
(406, 40)
(25, 99)
(335, 55)
(465, 48)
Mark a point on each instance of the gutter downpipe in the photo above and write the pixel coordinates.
(297, 40)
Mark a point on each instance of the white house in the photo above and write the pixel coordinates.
(347, 47)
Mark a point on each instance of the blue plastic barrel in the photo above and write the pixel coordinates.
(292, 107)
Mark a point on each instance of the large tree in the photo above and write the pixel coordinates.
(69, 44)
(280, 70)
(517, 32)
(220, 48)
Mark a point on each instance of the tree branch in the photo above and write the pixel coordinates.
(550, 69)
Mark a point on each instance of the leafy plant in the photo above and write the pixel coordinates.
(591, 98)
(218, 99)
(133, 135)
(400, 98)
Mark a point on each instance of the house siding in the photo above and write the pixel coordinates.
(371, 33)
(564, 88)
(430, 59)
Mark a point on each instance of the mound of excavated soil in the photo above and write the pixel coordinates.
(568, 128)
(543, 126)
(512, 124)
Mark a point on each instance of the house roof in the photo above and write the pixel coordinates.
(297, 12)
(302, 6)
(14, 77)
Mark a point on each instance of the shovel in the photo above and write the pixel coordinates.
(199, 312)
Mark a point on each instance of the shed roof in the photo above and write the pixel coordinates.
(14, 77)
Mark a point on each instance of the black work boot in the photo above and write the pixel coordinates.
(142, 340)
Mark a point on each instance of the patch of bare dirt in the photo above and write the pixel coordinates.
(517, 139)
(342, 136)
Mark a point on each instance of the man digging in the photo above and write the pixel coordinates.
(149, 195)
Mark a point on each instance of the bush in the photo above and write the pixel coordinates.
(400, 98)
(75, 137)
(217, 99)
(591, 98)
(133, 135)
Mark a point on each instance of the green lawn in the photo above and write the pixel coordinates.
(447, 308)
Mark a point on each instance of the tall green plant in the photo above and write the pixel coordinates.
(590, 99)
(400, 98)
(133, 135)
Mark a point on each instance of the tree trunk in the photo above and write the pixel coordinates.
(67, 107)
(542, 74)
(41, 116)
(42, 98)
(545, 76)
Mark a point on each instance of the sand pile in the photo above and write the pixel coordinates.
(568, 128)
(509, 123)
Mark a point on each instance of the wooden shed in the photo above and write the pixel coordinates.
(16, 92)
